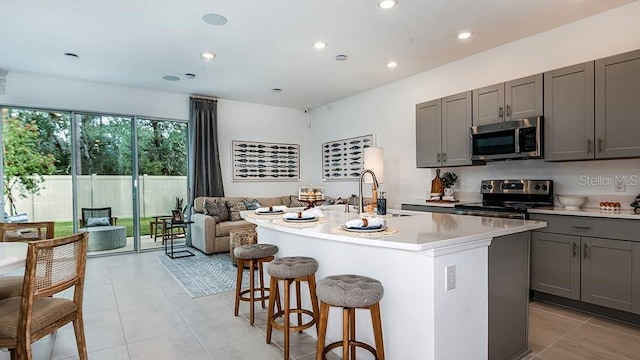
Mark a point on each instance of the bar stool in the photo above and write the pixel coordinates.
(350, 292)
(293, 269)
(255, 255)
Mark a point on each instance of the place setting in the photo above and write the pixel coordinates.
(313, 216)
(365, 226)
(268, 212)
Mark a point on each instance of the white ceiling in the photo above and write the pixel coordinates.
(265, 44)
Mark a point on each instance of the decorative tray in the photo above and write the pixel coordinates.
(365, 230)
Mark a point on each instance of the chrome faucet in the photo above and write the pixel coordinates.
(374, 188)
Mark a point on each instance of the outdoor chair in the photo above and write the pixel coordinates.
(52, 266)
(97, 217)
(11, 286)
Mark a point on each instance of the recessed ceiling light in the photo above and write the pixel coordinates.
(341, 57)
(276, 90)
(387, 4)
(214, 19)
(190, 76)
(464, 35)
(320, 45)
(171, 78)
(208, 55)
(392, 64)
(71, 55)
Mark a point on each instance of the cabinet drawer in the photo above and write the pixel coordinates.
(591, 226)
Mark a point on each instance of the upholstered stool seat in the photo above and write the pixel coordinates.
(255, 255)
(350, 292)
(290, 270)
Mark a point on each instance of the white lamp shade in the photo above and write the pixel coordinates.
(374, 161)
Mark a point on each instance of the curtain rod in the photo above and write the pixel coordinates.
(203, 98)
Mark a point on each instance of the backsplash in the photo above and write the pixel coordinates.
(595, 179)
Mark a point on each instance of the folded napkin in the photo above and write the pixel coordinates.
(307, 214)
(267, 209)
(365, 223)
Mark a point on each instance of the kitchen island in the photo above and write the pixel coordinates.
(434, 268)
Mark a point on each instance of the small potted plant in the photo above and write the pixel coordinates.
(448, 179)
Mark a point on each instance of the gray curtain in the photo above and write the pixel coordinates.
(207, 177)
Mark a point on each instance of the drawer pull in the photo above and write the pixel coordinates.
(580, 226)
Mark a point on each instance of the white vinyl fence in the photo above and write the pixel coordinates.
(54, 202)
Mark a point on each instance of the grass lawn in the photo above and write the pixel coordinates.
(65, 228)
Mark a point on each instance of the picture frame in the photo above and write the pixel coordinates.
(344, 159)
(265, 161)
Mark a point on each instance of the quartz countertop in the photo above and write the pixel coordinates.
(417, 231)
(593, 212)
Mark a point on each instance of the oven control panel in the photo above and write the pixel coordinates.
(540, 187)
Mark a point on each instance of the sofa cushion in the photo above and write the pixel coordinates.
(251, 204)
(223, 228)
(234, 209)
(216, 207)
(294, 202)
(271, 201)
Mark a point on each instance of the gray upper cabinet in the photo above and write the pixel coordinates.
(515, 99)
(569, 113)
(442, 131)
(617, 109)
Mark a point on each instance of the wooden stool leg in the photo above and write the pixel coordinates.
(322, 330)
(260, 269)
(352, 331)
(377, 330)
(273, 297)
(345, 333)
(287, 314)
(298, 303)
(238, 286)
(252, 264)
(314, 299)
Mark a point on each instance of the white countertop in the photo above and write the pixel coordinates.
(418, 232)
(425, 203)
(593, 212)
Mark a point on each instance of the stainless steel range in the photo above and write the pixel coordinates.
(509, 198)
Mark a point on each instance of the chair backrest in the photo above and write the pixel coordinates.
(95, 213)
(54, 265)
(27, 231)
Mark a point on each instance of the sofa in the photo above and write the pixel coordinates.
(210, 235)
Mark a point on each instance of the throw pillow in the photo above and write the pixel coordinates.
(294, 202)
(101, 221)
(234, 208)
(216, 207)
(251, 204)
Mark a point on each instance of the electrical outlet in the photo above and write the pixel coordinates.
(619, 185)
(450, 277)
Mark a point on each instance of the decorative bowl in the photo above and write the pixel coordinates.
(571, 202)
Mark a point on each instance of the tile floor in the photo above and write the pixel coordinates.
(135, 310)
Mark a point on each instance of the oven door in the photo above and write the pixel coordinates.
(493, 145)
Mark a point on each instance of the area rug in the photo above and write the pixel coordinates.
(203, 275)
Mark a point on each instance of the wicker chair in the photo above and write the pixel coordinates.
(11, 286)
(96, 213)
(52, 266)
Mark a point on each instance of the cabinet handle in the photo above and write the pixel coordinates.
(509, 111)
(588, 146)
(500, 112)
(586, 248)
(599, 145)
(580, 226)
(438, 157)
(575, 249)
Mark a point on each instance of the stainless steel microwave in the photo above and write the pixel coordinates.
(517, 139)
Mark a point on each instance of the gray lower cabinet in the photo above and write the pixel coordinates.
(512, 100)
(442, 131)
(592, 269)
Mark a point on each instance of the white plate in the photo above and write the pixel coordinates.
(270, 212)
(300, 220)
(365, 230)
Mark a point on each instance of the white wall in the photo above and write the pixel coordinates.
(236, 120)
(389, 111)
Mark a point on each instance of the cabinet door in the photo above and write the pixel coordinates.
(488, 104)
(617, 109)
(428, 130)
(635, 303)
(568, 113)
(607, 268)
(555, 264)
(523, 97)
(456, 123)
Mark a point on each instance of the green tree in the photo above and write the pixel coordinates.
(24, 165)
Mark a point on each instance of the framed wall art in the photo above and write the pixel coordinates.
(344, 159)
(263, 161)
